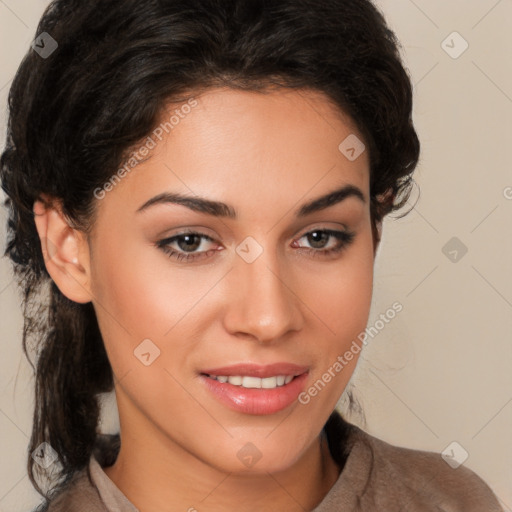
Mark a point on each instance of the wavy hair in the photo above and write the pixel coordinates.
(75, 115)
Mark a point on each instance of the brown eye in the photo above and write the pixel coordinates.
(184, 246)
(318, 239)
(188, 242)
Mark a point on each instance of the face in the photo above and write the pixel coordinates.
(274, 276)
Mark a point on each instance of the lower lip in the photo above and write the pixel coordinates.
(256, 400)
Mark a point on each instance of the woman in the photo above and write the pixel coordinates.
(202, 185)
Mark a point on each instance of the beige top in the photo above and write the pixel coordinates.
(377, 477)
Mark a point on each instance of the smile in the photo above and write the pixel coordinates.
(246, 381)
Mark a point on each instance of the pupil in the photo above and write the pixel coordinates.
(317, 234)
(188, 238)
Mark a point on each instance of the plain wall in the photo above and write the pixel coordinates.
(440, 370)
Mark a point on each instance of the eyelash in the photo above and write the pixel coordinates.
(345, 238)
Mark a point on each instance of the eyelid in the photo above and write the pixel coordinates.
(185, 230)
(344, 239)
(204, 232)
(322, 227)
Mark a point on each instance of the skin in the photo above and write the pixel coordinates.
(179, 443)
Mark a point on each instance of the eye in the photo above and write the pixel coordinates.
(187, 245)
(319, 239)
(184, 246)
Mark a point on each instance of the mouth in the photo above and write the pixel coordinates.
(255, 389)
(249, 382)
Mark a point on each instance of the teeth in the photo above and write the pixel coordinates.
(269, 382)
(251, 382)
(254, 382)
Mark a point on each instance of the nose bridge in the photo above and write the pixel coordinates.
(263, 303)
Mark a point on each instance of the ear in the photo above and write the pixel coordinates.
(386, 200)
(65, 250)
(377, 235)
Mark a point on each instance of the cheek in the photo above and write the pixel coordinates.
(341, 295)
(129, 296)
(142, 295)
(341, 303)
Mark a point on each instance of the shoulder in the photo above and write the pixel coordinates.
(78, 495)
(422, 480)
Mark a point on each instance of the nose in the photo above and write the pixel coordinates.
(262, 301)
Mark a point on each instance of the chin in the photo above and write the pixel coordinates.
(260, 456)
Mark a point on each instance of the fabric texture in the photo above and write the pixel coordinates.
(376, 477)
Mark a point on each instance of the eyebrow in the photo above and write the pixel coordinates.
(220, 209)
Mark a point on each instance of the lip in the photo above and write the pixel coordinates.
(257, 401)
(255, 370)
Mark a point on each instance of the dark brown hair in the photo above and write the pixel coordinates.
(74, 116)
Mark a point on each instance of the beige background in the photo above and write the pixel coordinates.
(441, 370)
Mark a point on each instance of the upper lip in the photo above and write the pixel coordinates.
(256, 370)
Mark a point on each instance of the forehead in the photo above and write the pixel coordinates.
(243, 146)
(281, 120)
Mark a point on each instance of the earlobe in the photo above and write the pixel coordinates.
(379, 230)
(64, 250)
(377, 236)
